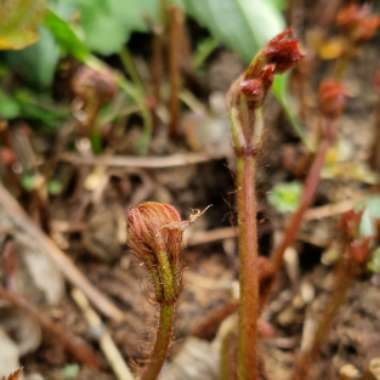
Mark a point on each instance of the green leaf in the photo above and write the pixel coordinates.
(9, 107)
(243, 25)
(65, 36)
(285, 197)
(371, 213)
(37, 63)
(19, 23)
(279, 4)
(37, 107)
(70, 371)
(374, 264)
(29, 182)
(203, 51)
(107, 24)
(55, 187)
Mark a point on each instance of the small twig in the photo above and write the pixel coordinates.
(157, 60)
(146, 162)
(156, 66)
(63, 262)
(176, 24)
(211, 236)
(78, 348)
(208, 327)
(332, 209)
(106, 343)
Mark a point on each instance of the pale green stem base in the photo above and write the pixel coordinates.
(161, 346)
(165, 285)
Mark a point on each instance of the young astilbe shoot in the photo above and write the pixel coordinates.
(358, 22)
(352, 263)
(332, 99)
(245, 100)
(155, 237)
(359, 25)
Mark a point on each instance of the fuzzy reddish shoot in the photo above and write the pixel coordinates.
(155, 237)
(352, 262)
(245, 100)
(332, 99)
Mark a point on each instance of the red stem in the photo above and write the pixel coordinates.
(249, 289)
(73, 344)
(176, 21)
(345, 274)
(310, 188)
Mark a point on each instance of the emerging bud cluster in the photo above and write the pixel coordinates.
(332, 98)
(359, 246)
(279, 55)
(155, 237)
(154, 227)
(87, 83)
(358, 21)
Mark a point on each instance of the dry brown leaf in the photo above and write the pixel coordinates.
(16, 375)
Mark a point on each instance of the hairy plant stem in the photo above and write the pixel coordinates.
(246, 132)
(167, 288)
(249, 290)
(158, 355)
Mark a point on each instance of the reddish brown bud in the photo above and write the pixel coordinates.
(367, 28)
(7, 156)
(350, 15)
(154, 227)
(283, 51)
(88, 82)
(252, 89)
(280, 54)
(359, 250)
(266, 273)
(358, 21)
(332, 98)
(349, 223)
(376, 81)
(265, 268)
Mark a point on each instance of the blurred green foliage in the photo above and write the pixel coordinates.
(374, 263)
(106, 25)
(36, 63)
(243, 25)
(371, 214)
(19, 21)
(81, 28)
(285, 197)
